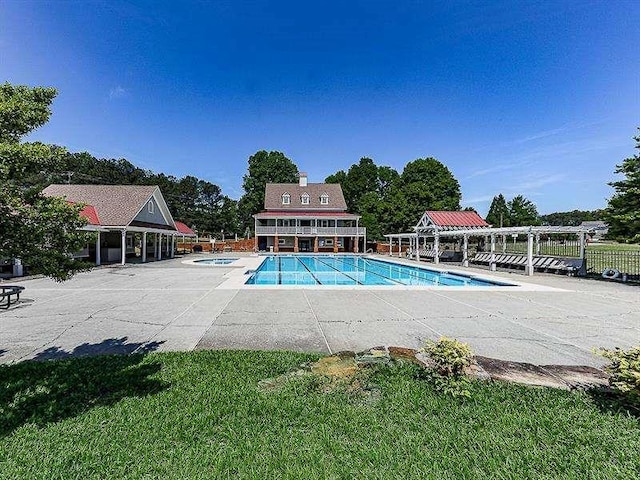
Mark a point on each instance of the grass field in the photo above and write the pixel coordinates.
(202, 415)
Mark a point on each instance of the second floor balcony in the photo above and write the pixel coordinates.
(311, 231)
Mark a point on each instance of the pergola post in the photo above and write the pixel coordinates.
(155, 246)
(417, 247)
(581, 237)
(399, 246)
(123, 247)
(173, 245)
(537, 244)
(144, 247)
(98, 260)
(504, 243)
(492, 264)
(529, 268)
(465, 250)
(436, 247)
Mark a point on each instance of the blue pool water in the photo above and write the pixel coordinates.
(216, 261)
(351, 270)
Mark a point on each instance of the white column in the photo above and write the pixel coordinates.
(98, 259)
(436, 247)
(167, 250)
(155, 246)
(529, 269)
(504, 244)
(581, 235)
(418, 247)
(123, 247)
(492, 264)
(399, 246)
(144, 247)
(173, 246)
(465, 251)
(537, 244)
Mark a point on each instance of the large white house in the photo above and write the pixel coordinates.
(307, 217)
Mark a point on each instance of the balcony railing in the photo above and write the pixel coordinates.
(312, 231)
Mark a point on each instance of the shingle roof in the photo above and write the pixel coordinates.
(305, 213)
(273, 196)
(116, 205)
(456, 219)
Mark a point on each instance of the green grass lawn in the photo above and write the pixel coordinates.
(202, 415)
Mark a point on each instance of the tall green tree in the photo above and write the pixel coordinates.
(499, 215)
(623, 211)
(522, 212)
(42, 232)
(264, 167)
(425, 184)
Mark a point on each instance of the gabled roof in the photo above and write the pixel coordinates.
(273, 196)
(114, 205)
(442, 218)
(89, 212)
(450, 220)
(303, 213)
(184, 230)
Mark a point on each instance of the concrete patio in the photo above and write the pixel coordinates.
(172, 306)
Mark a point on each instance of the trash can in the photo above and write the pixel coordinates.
(17, 267)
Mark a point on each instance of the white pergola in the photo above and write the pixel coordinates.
(532, 232)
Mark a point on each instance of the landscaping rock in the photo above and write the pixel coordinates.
(519, 372)
(476, 372)
(335, 367)
(579, 377)
(373, 356)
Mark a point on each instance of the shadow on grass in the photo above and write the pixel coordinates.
(44, 392)
(611, 401)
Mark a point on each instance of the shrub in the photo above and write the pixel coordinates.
(624, 371)
(450, 358)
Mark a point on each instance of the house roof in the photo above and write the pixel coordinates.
(467, 219)
(307, 213)
(114, 205)
(273, 196)
(594, 223)
(89, 212)
(184, 230)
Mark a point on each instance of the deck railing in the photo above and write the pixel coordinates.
(312, 231)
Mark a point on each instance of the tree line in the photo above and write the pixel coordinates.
(44, 231)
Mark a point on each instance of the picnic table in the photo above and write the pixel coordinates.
(8, 291)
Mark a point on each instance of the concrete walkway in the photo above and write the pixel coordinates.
(172, 306)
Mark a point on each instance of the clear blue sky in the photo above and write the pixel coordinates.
(533, 98)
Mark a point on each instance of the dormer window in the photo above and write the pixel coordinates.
(324, 199)
(286, 199)
(150, 206)
(304, 198)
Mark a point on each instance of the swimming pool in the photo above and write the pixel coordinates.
(215, 261)
(352, 270)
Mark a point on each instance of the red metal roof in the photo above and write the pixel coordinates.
(89, 212)
(456, 219)
(306, 213)
(183, 229)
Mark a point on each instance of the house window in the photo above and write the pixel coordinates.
(304, 198)
(324, 199)
(286, 199)
(329, 242)
(150, 206)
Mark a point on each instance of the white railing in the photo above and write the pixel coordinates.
(320, 231)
